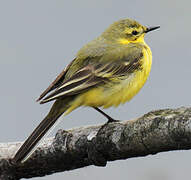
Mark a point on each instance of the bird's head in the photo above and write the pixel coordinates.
(126, 30)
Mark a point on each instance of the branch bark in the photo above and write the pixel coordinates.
(154, 132)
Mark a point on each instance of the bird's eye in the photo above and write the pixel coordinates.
(134, 32)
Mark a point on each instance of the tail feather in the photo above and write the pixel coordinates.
(29, 146)
(31, 142)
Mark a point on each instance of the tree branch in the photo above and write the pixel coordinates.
(157, 131)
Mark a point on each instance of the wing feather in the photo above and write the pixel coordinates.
(93, 74)
(79, 82)
(59, 79)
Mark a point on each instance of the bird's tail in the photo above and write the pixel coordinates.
(30, 145)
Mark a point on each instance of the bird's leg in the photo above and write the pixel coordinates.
(110, 119)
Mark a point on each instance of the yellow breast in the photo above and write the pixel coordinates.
(137, 80)
(123, 91)
(130, 87)
(120, 92)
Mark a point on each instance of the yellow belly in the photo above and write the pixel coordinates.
(121, 92)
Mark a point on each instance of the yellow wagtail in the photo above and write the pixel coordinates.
(106, 72)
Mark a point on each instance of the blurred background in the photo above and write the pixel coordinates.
(39, 38)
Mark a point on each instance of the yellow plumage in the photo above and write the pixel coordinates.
(120, 93)
(108, 71)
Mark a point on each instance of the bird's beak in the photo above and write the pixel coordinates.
(151, 29)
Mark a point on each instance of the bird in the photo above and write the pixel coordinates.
(108, 71)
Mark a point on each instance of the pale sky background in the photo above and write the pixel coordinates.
(39, 38)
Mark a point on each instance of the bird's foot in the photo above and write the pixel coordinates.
(111, 120)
